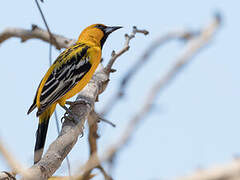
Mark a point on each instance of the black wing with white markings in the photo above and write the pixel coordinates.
(64, 78)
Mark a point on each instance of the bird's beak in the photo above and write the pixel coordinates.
(108, 30)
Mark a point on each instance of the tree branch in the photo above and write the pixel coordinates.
(93, 119)
(35, 33)
(225, 172)
(182, 35)
(126, 47)
(92, 137)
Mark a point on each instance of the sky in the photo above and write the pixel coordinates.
(195, 120)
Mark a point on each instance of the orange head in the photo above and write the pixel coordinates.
(97, 34)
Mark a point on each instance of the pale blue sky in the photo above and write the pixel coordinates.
(195, 122)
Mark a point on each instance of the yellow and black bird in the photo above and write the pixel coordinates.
(68, 75)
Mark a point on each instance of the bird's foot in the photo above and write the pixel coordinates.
(70, 114)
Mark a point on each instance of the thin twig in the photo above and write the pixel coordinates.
(126, 47)
(192, 48)
(52, 38)
(183, 35)
(106, 176)
(92, 139)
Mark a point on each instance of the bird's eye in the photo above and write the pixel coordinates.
(99, 26)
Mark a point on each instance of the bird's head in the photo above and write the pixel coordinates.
(97, 33)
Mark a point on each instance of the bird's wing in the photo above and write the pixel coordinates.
(60, 59)
(34, 105)
(70, 68)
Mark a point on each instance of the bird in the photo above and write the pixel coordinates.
(67, 76)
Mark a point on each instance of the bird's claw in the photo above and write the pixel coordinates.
(70, 115)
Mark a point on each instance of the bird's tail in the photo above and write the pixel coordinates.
(42, 132)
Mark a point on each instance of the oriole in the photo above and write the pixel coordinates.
(68, 75)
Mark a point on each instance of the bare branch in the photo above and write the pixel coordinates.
(93, 119)
(16, 167)
(35, 33)
(192, 48)
(183, 35)
(126, 47)
(225, 172)
(92, 137)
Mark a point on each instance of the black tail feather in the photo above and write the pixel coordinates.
(40, 139)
